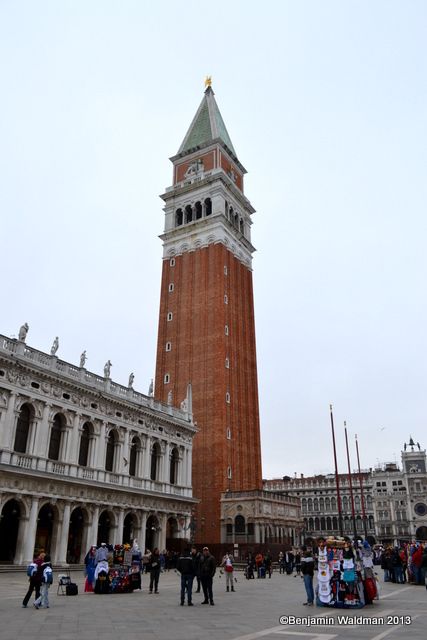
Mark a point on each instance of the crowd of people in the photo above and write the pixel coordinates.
(407, 563)
(345, 570)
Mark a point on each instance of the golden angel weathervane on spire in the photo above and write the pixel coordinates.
(208, 81)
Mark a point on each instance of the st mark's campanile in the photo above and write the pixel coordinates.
(206, 331)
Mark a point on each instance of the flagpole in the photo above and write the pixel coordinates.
(350, 483)
(337, 481)
(365, 524)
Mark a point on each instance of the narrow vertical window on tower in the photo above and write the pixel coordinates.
(168, 346)
(167, 378)
(227, 397)
(226, 329)
(229, 473)
(228, 433)
(225, 270)
(227, 363)
(170, 316)
(226, 299)
(172, 262)
(171, 287)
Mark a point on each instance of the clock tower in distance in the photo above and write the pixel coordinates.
(206, 333)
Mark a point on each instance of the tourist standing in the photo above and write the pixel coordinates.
(197, 560)
(207, 572)
(154, 570)
(35, 578)
(185, 566)
(227, 563)
(307, 570)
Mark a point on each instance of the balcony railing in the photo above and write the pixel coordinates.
(74, 471)
(81, 375)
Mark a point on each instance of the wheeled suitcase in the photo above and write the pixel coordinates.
(71, 589)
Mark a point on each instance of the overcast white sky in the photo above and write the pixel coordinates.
(325, 103)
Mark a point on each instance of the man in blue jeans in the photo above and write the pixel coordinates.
(185, 566)
(307, 570)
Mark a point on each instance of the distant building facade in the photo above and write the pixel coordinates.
(319, 502)
(395, 500)
(84, 460)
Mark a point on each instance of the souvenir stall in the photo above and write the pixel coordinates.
(120, 572)
(345, 575)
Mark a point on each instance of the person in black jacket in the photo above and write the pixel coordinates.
(185, 567)
(197, 560)
(154, 570)
(307, 570)
(207, 572)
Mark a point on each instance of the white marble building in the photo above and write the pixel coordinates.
(84, 460)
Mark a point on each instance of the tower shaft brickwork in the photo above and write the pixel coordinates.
(206, 325)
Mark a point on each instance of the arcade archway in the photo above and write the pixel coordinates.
(9, 526)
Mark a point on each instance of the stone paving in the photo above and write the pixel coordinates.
(252, 612)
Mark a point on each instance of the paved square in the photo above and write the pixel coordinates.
(252, 612)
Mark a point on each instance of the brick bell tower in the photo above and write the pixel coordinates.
(206, 325)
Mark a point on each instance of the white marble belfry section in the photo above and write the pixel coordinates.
(83, 458)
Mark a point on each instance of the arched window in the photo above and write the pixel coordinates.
(23, 428)
(322, 523)
(208, 207)
(321, 505)
(179, 216)
(155, 455)
(198, 208)
(345, 503)
(357, 502)
(304, 505)
(226, 209)
(333, 503)
(242, 226)
(334, 523)
(239, 525)
(316, 504)
(135, 447)
(328, 523)
(236, 220)
(173, 472)
(56, 437)
(109, 455)
(84, 444)
(316, 524)
(188, 213)
(327, 504)
(310, 504)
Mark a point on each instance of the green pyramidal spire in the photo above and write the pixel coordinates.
(207, 126)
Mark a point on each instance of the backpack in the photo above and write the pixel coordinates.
(48, 575)
(31, 569)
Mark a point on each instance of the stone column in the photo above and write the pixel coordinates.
(119, 531)
(147, 458)
(142, 532)
(162, 532)
(125, 453)
(93, 528)
(189, 468)
(101, 448)
(60, 554)
(166, 468)
(7, 424)
(30, 531)
(43, 432)
(74, 440)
